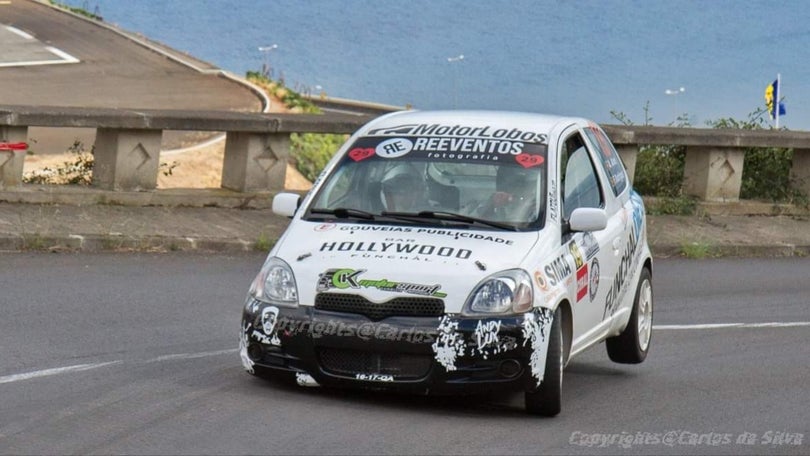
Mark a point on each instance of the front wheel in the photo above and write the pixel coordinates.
(546, 399)
(632, 345)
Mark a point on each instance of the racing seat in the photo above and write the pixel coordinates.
(447, 196)
(373, 200)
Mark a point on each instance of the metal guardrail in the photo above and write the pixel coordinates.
(127, 146)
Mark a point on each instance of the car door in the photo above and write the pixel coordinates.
(595, 254)
(629, 207)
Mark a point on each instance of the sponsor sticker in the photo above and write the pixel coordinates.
(483, 132)
(396, 248)
(558, 270)
(529, 160)
(541, 280)
(593, 284)
(360, 153)
(553, 202)
(394, 147)
(582, 282)
(576, 254)
(590, 245)
(350, 278)
(453, 143)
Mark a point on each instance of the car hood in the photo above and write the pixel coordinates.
(381, 262)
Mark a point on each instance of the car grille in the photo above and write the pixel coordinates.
(402, 366)
(402, 306)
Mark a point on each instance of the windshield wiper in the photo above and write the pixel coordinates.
(450, 217)
(344, 212)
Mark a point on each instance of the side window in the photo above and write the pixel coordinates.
(611, 163)
(579, 181)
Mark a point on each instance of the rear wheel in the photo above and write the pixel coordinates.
(546, 399)
(632, 345)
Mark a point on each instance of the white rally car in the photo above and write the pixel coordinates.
(456, 251)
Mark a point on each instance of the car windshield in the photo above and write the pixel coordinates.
(438, 181)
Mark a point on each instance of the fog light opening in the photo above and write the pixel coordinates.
(509, 368)
(255, 352)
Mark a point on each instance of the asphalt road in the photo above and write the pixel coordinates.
(136, 354)
(112, 72)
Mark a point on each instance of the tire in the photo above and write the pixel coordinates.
(632, 345)
(546, 399)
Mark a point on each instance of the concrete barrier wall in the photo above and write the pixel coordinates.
(257, 146)
(714, 157)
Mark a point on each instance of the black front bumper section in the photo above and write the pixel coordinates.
(448, 354)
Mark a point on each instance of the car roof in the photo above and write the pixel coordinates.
(540, 123)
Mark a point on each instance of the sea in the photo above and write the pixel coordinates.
(639, 61)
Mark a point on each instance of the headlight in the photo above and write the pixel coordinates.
(275, 284)
(505, 292)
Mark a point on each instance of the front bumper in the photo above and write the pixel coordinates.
(417, 354)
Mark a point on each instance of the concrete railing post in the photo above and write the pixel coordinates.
(713, 173)
(800, 170)
(629, 156)
(11, 161)
(126, 159)
(255, 161)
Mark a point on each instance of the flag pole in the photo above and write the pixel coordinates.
(776, 97)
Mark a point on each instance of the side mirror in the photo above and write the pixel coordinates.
(588, 219)
(286, 204)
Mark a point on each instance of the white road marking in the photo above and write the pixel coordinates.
(796, 324)
(19, 32)
(84, 367)
(54, 371)
(184, 356)
(32, 63)
(214, 140)
(62, 54)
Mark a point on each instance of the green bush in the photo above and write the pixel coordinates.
(766, 171)
(81, 11)
(311, 152)
(659, 170)
(291, 99)
(78, 170)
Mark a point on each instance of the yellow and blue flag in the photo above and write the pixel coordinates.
(772, 96)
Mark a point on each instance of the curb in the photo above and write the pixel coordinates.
(733, 251)
(28, 242)
(177, 197)
(94, 243)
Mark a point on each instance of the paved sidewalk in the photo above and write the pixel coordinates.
(58, 227)
(123, 228)
(729, 235)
